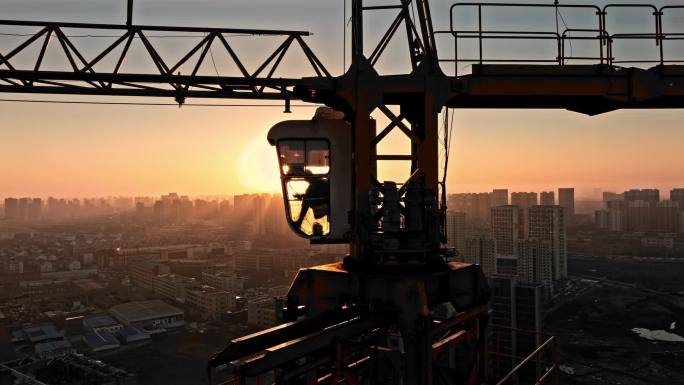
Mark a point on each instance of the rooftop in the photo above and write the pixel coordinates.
(37, 333)
(100, 340)
(99, 321)
(52, 346)
(144, 311)
(133, 332)
(87, 284)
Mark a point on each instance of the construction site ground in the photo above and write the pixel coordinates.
(596, 315)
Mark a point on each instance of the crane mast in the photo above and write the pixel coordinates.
(396, 310)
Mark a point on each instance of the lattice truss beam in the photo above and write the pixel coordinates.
(418, 32)
(400, 122)
(162, 61)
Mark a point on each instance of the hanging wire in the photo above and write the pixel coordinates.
(447, 125)
(344, 37)
(211, 55)
(559, 14)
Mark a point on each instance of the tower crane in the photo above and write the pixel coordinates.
(396, 310)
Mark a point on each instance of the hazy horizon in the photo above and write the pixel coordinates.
(589, 194)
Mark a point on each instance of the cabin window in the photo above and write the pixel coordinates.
(317, 157)
(304, 157)
(304, 166)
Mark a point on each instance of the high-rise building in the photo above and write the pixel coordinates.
(506, 228)
(140, 212)
(24, 204)
(206, 209)
(547, 223)
(615, 204)
(507, 265)
(499, 197)
(547, 198)
(35, 209)
(476, 206)
(261, 203)
(529, 327)
(516, 321)
(667, 216)
(276, 223)
(225, 209)
(640, 209)
(483, 203)
(11, 208)
(650, 196)
(612, 217)
(535, 263)
(610, 196)
(502, 319)
(639, 215)
(524, 200)
(456, 231)
(677, 195)
(616, 220)
(23, 209)
(481, 250)
(566, 200)
(244, 207)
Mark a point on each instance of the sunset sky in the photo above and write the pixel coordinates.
(87, 150)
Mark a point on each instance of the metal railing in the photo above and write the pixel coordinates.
(563, 35)
(538, 364)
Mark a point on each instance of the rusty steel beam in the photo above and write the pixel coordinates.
(589, 89)
(290, 349)
(254, 343)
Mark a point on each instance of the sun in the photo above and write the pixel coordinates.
(257, 166)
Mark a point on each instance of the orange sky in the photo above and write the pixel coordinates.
(110, 150)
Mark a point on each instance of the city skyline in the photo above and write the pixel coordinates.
(594, 194)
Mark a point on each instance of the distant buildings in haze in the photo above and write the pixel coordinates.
(641, 210)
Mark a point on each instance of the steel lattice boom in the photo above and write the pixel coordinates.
(94, 77)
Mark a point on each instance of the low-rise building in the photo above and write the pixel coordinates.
(152, 316)
(144, 273)
(173, 286)
(101, 341)
(65, 369)
(658, 242)
(99, 323)
(37, 333)
(262, 312)
(131, 334)
(53, 349)
(211, 302)
(224, 281)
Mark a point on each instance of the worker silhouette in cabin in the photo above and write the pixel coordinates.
(315, 198)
